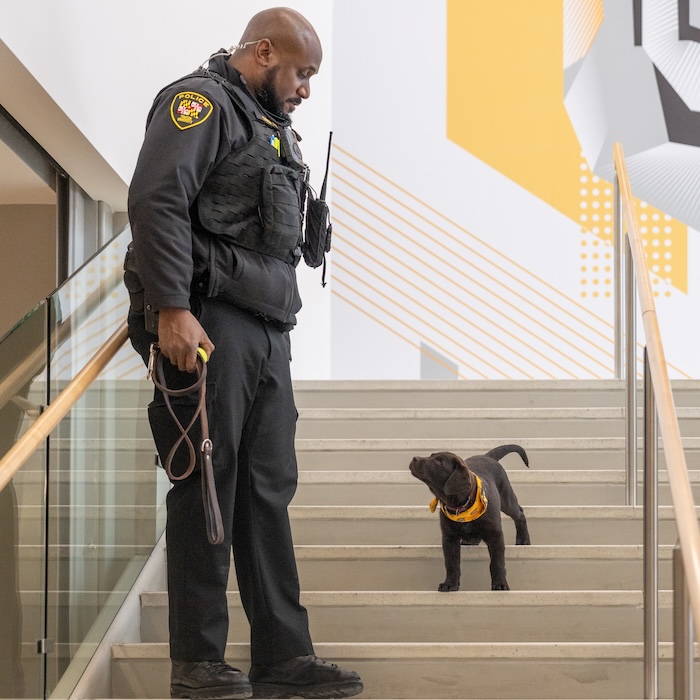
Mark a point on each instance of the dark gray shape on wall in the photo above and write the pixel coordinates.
(682, 123)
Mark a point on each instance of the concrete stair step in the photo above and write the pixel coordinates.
(367, 525)
(543, 487)
(437, 423)
(427, 393)
(107, 422)
(379, 487)
(555, 525)
(421, 567)
(117, 393)
(379, 453)
(543, 453)
(439, 670)
(422, 616)
(336, 487)
(101, 565)
(433, 423)
(477, 393)
(98, 454)
(118, 524)
(121, 487)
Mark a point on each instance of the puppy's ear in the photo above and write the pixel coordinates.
(459, 480)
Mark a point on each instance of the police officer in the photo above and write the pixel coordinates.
(216, 208)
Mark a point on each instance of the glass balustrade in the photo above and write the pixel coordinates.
(88, 509)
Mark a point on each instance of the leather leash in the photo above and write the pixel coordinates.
(212, 513)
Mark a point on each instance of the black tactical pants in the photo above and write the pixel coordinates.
(252, 420)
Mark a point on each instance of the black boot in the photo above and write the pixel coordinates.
(208, 680)
(303, 677)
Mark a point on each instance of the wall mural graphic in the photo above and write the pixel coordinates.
(473, 195)
(561, 150)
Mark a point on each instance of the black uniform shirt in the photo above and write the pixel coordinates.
(191, 127)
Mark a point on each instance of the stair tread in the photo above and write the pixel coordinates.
(614, 552)
(429, 650)
(334, 413)
(476, 444)
(519, 475)
(552, 598)
(390, 512)
(534, 412)
(496, 385)
(404, 476)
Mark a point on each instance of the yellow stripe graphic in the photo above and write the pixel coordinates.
(413, 263)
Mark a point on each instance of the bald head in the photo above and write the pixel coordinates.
(280, 52)
(284, 27)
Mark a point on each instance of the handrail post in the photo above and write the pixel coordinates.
(682, 631)
(631, 378)
(651, 537)
(617, 277)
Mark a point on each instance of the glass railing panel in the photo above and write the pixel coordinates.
(23, 354)
(106, 514)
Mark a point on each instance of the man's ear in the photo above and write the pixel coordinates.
(264, 52)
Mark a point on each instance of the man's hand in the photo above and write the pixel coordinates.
(179, 336)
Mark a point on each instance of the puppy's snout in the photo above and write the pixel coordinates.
(415, 464)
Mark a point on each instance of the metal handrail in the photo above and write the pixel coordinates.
(23, 449)
(681, 493)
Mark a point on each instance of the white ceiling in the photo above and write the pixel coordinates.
(19, 184)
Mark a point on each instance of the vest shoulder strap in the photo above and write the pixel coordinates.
(239, 96)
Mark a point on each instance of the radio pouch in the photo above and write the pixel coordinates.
(317, 231)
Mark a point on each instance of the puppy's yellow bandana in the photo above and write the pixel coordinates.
(466, 513)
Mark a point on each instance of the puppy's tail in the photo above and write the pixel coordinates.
(498, 452)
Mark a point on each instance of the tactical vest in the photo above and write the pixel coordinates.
(252, 199)
(251, 207)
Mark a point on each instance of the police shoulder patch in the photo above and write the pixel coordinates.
(190, 109)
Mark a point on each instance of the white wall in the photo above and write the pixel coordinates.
(102, 63)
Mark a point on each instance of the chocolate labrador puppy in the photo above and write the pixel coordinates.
(471, 494)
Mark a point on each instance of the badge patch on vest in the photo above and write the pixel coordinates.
(190, 109)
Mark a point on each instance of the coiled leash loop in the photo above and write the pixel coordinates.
(212, 513)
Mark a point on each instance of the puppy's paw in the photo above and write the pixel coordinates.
(447, 587)
(500, 586)
(522, 540)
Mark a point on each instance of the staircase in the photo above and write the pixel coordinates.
(370, 560)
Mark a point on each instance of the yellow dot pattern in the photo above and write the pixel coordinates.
(664, 238)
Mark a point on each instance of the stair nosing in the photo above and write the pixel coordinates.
(430, 650)
(536, 598)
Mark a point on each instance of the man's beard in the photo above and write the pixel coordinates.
(267, 95)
